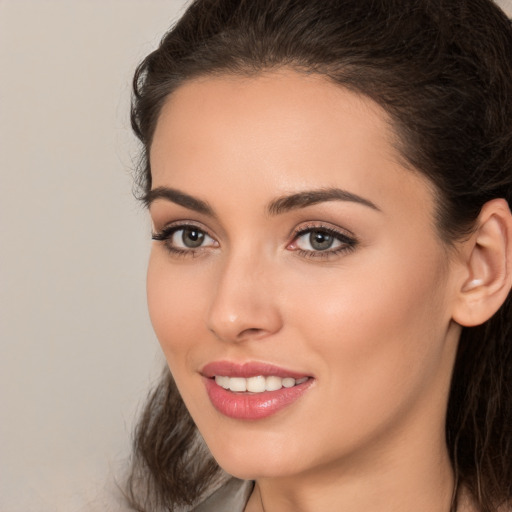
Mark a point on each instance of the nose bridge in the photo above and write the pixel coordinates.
(243, 303)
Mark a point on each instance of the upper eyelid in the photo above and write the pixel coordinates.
(182, 224)
(319, 225)
(165, 233)
(296, 232)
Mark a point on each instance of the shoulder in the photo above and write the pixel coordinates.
(232, 496)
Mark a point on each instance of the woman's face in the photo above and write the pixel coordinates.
(297, 256)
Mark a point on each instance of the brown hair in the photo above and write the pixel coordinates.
(442, 69)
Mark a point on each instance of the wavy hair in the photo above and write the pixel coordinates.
(442, 69)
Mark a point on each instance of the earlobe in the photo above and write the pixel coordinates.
(487, 276)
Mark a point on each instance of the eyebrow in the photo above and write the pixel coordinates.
(276, 207)
(180, 198)
(311, 197)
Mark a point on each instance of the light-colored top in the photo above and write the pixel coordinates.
(231, 497)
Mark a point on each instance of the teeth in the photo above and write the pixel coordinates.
(222, 381)
(237, 384)
(288, 382)
(273, 383)
(257, 384)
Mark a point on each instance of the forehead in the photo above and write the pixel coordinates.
(288, 99)
(277, 132)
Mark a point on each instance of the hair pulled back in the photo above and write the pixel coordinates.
(442, 69)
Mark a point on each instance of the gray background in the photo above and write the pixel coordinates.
(77, 351)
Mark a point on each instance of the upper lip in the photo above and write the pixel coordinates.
(248, 369)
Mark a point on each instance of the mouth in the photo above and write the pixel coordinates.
(258, 384)
(252, 391)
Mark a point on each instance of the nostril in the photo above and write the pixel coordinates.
(240, 320)
(252, 332)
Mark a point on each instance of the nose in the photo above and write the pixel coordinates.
(244, 303)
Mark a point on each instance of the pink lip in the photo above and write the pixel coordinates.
(251, 406)
(251, 369)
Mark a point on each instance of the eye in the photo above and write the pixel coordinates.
(320, 241)
(317, 240)
(189, 238)
(183, 239)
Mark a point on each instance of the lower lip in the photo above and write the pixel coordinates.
(253, 406)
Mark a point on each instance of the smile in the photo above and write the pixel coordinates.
(257, 384)
(252, 391)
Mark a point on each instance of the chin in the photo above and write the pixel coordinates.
(250, 460)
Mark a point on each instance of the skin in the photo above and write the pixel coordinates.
(373, 325)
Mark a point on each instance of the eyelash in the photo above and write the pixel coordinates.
(347, 243)
(167, 233)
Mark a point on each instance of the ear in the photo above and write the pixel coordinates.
(487, 266)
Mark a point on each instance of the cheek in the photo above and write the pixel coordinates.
(174, 303)
(377, 330)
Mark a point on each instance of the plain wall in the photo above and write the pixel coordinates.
(77, 350)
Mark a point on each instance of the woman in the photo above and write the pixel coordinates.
(328, 183)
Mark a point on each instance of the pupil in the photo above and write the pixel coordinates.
(192, 237)
(320, 241)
